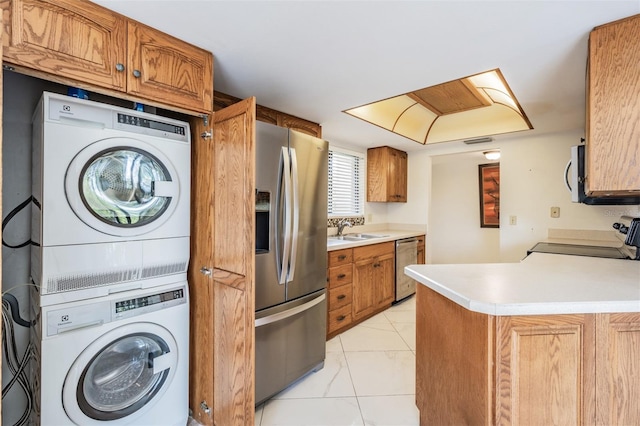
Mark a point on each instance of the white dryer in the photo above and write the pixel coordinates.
(111, 198)
(117, 360)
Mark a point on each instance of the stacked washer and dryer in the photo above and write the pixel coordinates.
(111, 217)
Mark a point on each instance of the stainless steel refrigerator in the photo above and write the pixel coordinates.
(291, 256)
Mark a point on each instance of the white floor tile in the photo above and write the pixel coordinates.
(400, 316)
(376, 319)
(334, 345)
(258, 415)
(373, 336)
(406, 305)
(312, 412)
(408, 333)
(374, 360)
(332, 381)
(399, 410)
(382, 373)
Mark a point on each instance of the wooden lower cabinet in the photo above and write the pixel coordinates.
(545, 369)
(618, 369)
(361, 282)
(569, 369)
(373, 278)
(421, 250)
(339, 291)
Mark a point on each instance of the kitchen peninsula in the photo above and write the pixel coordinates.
(553, 339)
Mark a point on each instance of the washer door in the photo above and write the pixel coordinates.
(120, 375)
(122, 186)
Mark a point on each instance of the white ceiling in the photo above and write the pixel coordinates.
(314, 59)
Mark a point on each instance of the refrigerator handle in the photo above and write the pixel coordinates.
(296, 213)
(286, 176)
(289, 313)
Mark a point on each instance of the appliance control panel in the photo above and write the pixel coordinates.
(80, 315)
(126, 308)
(133, 120)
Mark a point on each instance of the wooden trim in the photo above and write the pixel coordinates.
(1, 145)
(201, 286)
(272, 116)
(454, 362)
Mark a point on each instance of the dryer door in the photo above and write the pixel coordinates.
(121, 375)
(122, 186)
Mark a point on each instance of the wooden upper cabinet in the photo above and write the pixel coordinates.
(386, 175)
(613, 109)
(77, 42)
(77, 39)
(161, 66)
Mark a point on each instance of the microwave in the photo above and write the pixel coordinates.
(575, 178)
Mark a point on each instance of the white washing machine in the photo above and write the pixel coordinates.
(117, 360)
(111, 198)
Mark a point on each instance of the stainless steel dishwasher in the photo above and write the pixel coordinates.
(406, 254)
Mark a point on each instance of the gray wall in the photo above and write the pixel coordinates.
(20, 95)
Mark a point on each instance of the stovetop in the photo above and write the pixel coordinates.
(628, 232)
(579, 250)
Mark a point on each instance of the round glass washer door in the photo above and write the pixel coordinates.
(121, 187)
(122, 378)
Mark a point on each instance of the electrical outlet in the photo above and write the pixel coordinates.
(555, 212)
(513, 220)
(369, 217)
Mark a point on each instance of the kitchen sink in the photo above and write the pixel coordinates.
(353, 237)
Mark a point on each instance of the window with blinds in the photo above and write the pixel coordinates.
(346, 183)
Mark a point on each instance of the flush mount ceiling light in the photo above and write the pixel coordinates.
(470, 107)
(492, 155)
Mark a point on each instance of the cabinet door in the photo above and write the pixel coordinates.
(223, 300)
(169, 70)
(546, 370)
(77, 39)
(618, 369)
(613, 108)
(383, 280)
(364, 275)
(397, 176)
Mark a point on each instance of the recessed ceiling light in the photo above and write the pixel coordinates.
(492, 155)
(470, 107)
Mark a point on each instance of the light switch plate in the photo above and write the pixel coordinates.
(555, 212)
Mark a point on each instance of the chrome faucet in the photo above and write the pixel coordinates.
(341, 224)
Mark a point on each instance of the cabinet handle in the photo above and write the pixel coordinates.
(341, 317)
(341, 276)
(205, 271)
(376, 265)
(342, 257)
(119, 67)
(342, 296)
(137, 73)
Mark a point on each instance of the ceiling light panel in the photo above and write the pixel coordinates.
(478, 105)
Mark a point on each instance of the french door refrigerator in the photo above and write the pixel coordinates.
(291, 257)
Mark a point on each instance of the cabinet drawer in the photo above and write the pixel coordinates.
(340, 275)
(340, 257)
(339, 318)
(367, 252)
(340, 296)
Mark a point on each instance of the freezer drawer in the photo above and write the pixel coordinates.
(290, 342)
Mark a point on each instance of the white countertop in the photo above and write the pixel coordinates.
(540, 284)
(390, 235)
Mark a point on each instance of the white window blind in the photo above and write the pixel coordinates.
(346, 188)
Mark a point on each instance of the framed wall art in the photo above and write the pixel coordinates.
(489, 177)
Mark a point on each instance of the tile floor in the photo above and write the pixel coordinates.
(368, 378)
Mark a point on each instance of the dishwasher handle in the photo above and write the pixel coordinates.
(406, 241)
